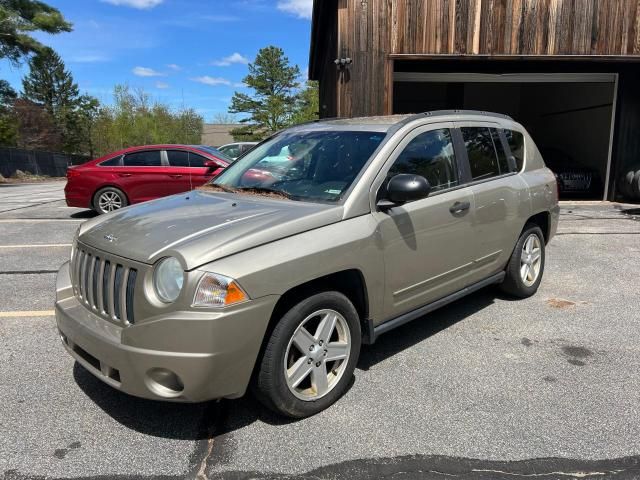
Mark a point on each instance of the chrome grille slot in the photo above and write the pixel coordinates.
(106, 287)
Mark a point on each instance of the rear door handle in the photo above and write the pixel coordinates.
(176, 176)
(124, 174)
(459, 207)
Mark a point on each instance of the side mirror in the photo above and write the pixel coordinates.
(210, 164)
(404, 188)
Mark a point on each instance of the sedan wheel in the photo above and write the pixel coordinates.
(315, 362)
(109, 199)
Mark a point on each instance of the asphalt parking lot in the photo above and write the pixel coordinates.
(485, 388)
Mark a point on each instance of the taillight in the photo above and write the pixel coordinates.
(72, 173)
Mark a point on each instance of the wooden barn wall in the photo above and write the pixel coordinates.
(370, 30)
(515, 27)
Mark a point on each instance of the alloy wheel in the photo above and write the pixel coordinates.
(109, 201)
(315, 362)
(531, 260)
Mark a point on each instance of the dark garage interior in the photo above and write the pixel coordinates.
(568, 115)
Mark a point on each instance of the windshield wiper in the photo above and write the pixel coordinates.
(266, 192)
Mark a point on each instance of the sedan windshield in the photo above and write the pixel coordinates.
(312, 166)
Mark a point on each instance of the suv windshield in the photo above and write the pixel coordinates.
(312, 166)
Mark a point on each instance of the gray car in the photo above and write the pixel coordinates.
(276, 273)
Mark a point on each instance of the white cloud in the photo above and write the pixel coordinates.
(162, 85)
(213, 81)
(139, 4)
(147, 72)
(299, 8)
(233, 58)
(174, 67)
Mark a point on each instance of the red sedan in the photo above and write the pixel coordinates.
(139, 174)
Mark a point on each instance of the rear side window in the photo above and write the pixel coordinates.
(143, 159)
(232, 150)
(483, 160)
(184, 158)
(112, 162)
(516, 145)
(503, 163)
(430, 155)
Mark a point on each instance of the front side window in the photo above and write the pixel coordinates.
(149, 158)
(308, 165)
(481, 152)
(431, 156)
(184, 158)
(516, 145)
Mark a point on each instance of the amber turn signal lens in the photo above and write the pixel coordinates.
(234, 294)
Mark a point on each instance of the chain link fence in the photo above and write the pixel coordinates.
(36, 162)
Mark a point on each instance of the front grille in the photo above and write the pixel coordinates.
(104, 286)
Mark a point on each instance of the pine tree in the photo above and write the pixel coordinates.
(49, 83)
(273, 104)
(18, 19)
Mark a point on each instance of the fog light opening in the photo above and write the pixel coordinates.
(164, 382)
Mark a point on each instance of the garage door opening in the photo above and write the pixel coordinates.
(569, 116)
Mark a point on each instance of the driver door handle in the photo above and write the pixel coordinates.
(459, 207)
(124, 174)
(176, 175)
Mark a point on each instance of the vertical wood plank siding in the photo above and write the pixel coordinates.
(510, 27)
(369, 31)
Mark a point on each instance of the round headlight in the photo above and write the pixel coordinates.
(168, 278)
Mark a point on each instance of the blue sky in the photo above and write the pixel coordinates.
(180, 51)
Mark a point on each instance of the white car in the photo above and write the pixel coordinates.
(234, 150)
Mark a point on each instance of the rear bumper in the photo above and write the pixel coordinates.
(106, 350)
(77, 197)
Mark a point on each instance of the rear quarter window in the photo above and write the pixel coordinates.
(112, 162)
(516, 145)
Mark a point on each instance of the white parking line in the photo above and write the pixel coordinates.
(33, 313)
(49, 245)
(40, 220)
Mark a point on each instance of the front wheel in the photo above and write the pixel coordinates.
(109, 199)
(310, 357)
(526, 265)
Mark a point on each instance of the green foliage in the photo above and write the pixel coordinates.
(49, 83)
(307, 104)
(277, 102)
(135, 120)
(18, 18)
(8, 119)
(271, 107)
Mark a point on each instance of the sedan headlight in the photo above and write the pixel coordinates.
(168, 279)
(218, 291)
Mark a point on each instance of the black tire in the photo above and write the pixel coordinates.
(513, 283)
(120, 200)
(270, 385)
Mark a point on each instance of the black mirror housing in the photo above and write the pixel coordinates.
(406, 187)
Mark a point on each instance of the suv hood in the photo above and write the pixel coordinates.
(200, 227)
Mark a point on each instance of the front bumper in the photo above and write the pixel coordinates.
(154, 360)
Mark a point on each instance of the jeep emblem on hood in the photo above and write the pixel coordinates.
(110, 238)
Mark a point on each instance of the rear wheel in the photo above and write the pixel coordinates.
(310, 356)
(109, 199)
(526, 265)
